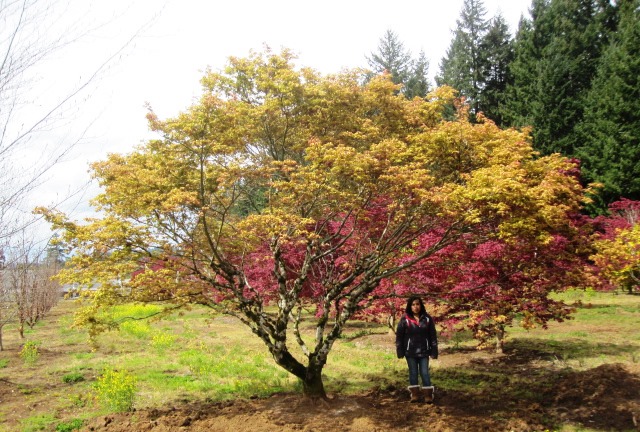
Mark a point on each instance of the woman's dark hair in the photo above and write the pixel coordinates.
(408, 310)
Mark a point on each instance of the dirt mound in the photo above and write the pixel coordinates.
(286, 412)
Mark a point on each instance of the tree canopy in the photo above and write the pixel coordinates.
(285, 197)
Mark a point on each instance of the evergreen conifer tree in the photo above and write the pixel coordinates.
(556, 56)
(393, 58)
(418, 83)
(462, 65)
(530, 39)
(497, 54)
(610, 130)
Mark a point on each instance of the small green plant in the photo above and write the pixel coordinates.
(128, 311)
(137, 329)
(162, 341)
(116, 390)
(73, 377)
(30, 353)
(4, 363)
(27, 390)
(69, 426)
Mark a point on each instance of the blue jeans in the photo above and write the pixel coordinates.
(419, 364)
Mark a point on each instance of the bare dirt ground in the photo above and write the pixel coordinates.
(606, 398)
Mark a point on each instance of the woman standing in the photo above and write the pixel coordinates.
(416, 340)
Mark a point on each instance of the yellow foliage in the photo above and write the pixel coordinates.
(269, 152)
(619, 258)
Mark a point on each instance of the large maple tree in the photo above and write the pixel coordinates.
(283, 196)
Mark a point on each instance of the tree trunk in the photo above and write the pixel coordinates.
(391, 323)
(500, 340)
(21, 330)
(312, 385)
(311, 375)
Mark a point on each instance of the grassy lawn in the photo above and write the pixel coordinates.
(605, 329)
(199, 357)
(188, 357)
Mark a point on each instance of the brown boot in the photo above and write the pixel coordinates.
(428, 393)
(415, 393)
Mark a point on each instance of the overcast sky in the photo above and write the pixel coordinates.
(177, 40)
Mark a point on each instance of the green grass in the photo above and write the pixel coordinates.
(603, 330)
(37, 423)
(134, 311)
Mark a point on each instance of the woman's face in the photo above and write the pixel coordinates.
(415, 307)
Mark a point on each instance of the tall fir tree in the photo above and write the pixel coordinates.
(557, 54)
(530, 39)
(54, 253)
(567, 67)
(496, 56)
(392, 57)
(417, 85)
(462, 65)
(610, 130)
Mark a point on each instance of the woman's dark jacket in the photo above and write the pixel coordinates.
(416, 338)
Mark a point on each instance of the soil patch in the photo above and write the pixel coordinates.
(605, 398)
